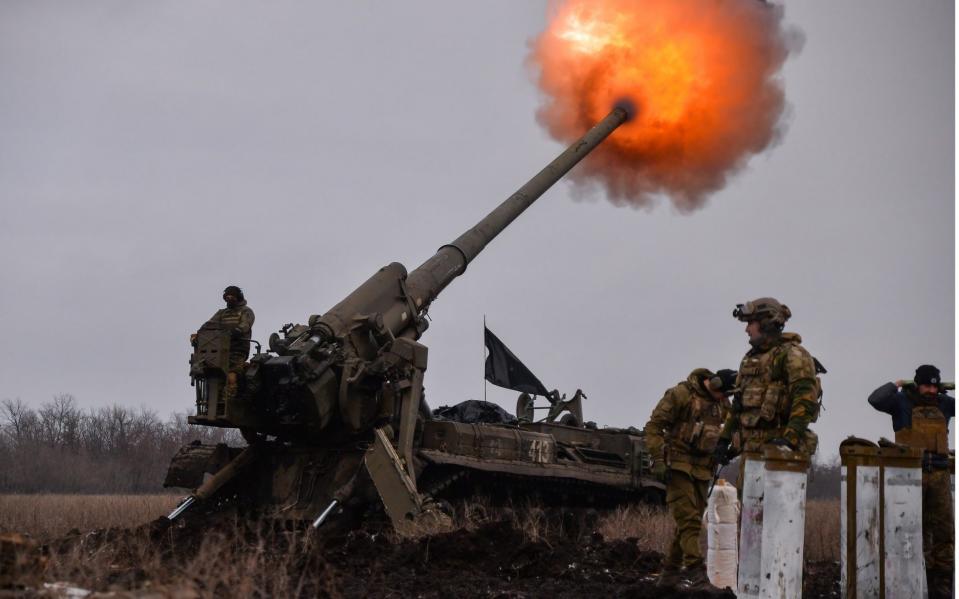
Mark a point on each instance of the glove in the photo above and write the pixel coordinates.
(721, 453)
(660, 471)
(781, 442)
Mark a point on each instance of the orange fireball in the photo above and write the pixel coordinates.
(703, 74)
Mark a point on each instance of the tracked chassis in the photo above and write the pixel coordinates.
(551, 463)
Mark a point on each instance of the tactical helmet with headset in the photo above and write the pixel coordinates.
(772, 316)
(769, 312)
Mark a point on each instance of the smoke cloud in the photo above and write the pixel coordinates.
(704, 76)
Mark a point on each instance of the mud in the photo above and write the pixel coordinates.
(494, 561)
(821, 579)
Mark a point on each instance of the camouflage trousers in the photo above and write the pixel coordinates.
(238, 359)
(754, 439)
(938, 530)
(237, 368)
(686, 498)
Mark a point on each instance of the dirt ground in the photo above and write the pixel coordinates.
(495, 560)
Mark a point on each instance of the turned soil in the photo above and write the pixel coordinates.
(492, 560)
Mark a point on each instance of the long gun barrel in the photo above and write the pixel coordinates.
(426, 282)
(451, 260)
(358, 365)
(337, 365)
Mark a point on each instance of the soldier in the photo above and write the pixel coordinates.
(778, 389)
(681, 436)
(238, 317)
(920, 418)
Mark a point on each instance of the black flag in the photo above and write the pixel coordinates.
(504, 369)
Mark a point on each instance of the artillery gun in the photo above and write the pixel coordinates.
(334, 413)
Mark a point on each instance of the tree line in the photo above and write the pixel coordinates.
(62, 448)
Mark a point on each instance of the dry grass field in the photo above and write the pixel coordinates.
(46, 517)
(822, 530)
(237, 560)
(653, 528)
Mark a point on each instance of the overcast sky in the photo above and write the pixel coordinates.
(152, 153)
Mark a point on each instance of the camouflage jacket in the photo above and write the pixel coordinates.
(685, 426)
(778, 396)
(240, 318)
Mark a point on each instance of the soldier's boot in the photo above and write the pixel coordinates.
(698, 580)
(669, 577)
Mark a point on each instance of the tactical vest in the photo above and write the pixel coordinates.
(700, 431)
(229, 317)
(765, 402)
(929, 430)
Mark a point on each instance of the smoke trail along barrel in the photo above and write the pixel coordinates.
(378, 295)
(450, 261)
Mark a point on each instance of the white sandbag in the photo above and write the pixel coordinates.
(722, 550)
(721, 569)
(728, 512)
(722, 537)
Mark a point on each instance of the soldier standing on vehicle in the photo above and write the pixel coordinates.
(778, 387)
(920, 418)
(681, 436)
(237, 318)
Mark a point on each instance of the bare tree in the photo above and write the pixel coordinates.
(59, 420)
(61, 448)
(20, 420)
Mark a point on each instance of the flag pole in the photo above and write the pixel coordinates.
(484, 358)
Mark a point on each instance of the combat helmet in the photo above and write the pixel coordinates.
(770, 312)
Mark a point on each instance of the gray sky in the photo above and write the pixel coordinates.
(153, 152)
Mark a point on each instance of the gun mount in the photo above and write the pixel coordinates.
(346, 390)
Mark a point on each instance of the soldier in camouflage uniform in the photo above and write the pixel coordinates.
(778, 387)
(681, 436)
(238, 318)
(920, 418)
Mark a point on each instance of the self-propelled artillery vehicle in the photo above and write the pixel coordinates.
(334, 413)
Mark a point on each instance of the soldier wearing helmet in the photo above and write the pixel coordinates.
(237, 317)
(681, 437)
(778, 387)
